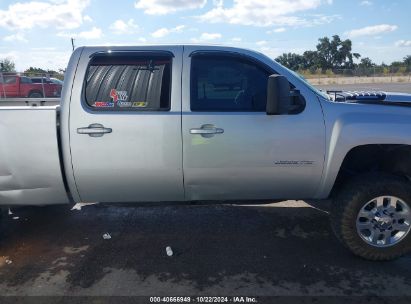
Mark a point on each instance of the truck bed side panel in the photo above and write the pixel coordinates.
(30, 172)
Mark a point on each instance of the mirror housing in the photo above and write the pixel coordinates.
(278, 95)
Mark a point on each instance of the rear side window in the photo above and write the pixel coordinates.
(8, 79)
(119, 82)
(227, 83)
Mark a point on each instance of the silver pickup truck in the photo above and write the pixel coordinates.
(209, 123)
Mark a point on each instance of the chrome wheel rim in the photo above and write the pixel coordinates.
(384, 221)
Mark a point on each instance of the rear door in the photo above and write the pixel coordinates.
(231, 148)
(125, 126)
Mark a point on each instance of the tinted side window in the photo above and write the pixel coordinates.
(39, 80)
(25, 80)
(225, 83)
(127, 82)
(9, 79)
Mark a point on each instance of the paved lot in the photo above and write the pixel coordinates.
(389, 87)
(280, 249)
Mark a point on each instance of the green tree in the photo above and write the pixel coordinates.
(291, 60)
(311, 61)
(331, 54)
(335, 53)
(33, 71)
(407, 62)
(396, 66)
(366, 67)
(325, 53)
(366, 63)
(7, 65)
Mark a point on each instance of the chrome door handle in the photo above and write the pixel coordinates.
(207, 130)
(94, 130)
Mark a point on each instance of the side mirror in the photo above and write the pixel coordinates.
(278, 95)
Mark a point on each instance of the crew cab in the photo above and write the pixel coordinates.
(12, 85)
(207, 123)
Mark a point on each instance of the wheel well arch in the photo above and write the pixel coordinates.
(387, 158)
(34, 91)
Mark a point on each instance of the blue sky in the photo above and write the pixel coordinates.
(37, 32)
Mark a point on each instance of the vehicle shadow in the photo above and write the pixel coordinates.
(267, 250)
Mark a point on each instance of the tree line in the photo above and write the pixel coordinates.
(335, 56)
(8, 66)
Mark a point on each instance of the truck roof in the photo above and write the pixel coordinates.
(191, 45)
(165, 44)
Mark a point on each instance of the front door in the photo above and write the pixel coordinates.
(125, 127)
(231, 148)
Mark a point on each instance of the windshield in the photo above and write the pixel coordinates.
(309, 85)
(56, 81)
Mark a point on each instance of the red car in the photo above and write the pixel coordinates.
(12, 85)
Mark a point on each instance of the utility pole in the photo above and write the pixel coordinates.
(72, 43)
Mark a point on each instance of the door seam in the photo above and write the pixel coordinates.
(181, 123)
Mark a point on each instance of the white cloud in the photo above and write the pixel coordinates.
(210, 36)
(261, 43)
(371, 30)
(163, 7)
(236, 39)
(270, 51)
(87, 18)
(124, 27)
(162, 32)
(265, 13)
(218, 2)
(365, 3)
(207, 37)
(321, 19)
(19, 37)
(45, 48)
(403, 43)
(66, 14)
(277, 30)
(94, 33)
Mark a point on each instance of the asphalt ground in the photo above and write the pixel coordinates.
(285, 249)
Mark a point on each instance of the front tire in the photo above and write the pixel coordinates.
(371, 216)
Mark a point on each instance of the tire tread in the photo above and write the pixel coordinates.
(346, 205)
